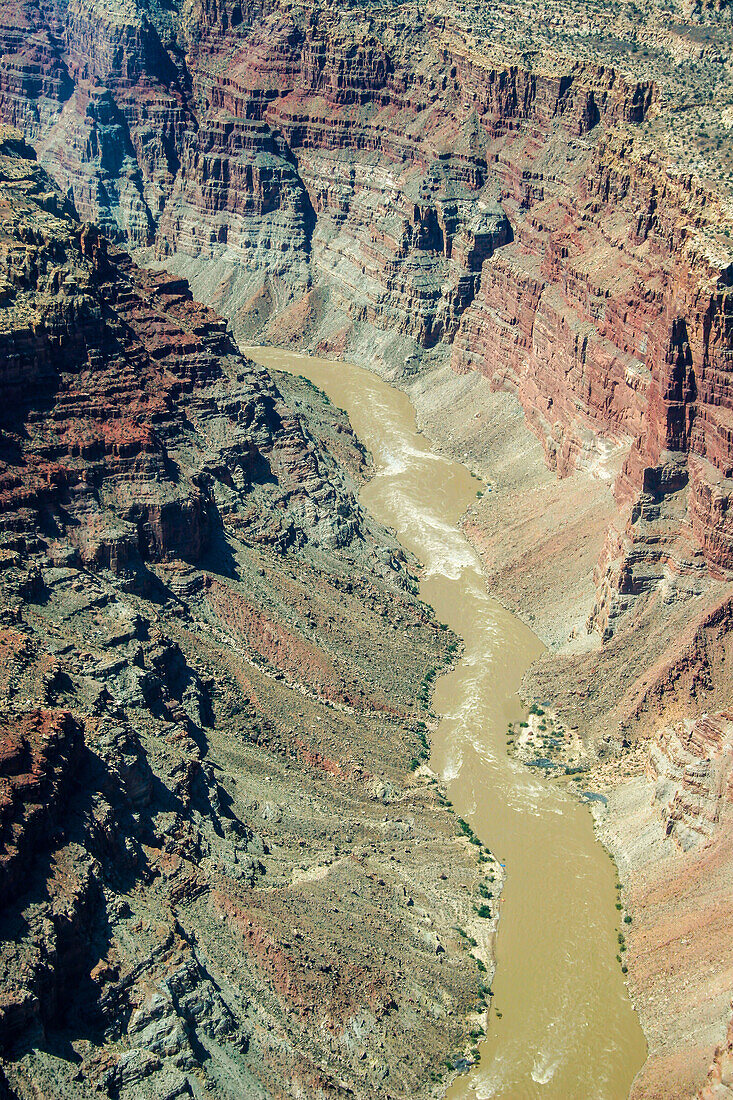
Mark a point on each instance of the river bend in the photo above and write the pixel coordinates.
(561, 1026)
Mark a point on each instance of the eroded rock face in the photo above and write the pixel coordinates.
(221, 871)
(690, 766)
(719, 1085)
(41, 753)
(669, 825)
(113, 462)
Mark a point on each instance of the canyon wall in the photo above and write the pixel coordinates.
(671, 823)
(224, 871)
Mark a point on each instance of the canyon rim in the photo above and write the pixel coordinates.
(215, 691)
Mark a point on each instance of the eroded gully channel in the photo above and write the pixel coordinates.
(561, 1026)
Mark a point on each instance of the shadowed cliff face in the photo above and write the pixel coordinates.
(218, 863)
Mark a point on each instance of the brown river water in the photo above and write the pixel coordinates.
(561, 1026)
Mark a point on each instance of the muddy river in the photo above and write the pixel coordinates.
(561, 1025)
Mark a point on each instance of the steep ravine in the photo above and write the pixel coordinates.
(392, 187)
(539, 539)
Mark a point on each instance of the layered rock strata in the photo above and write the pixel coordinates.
(673, 825)
(658, 750)
(330, 176)
(223, 872)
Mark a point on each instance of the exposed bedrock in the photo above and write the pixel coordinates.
(669, 827)
(223, 870)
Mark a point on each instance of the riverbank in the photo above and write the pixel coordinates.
(540, 540)
(551, 1033)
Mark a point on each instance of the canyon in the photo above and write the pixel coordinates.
(522, 216)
